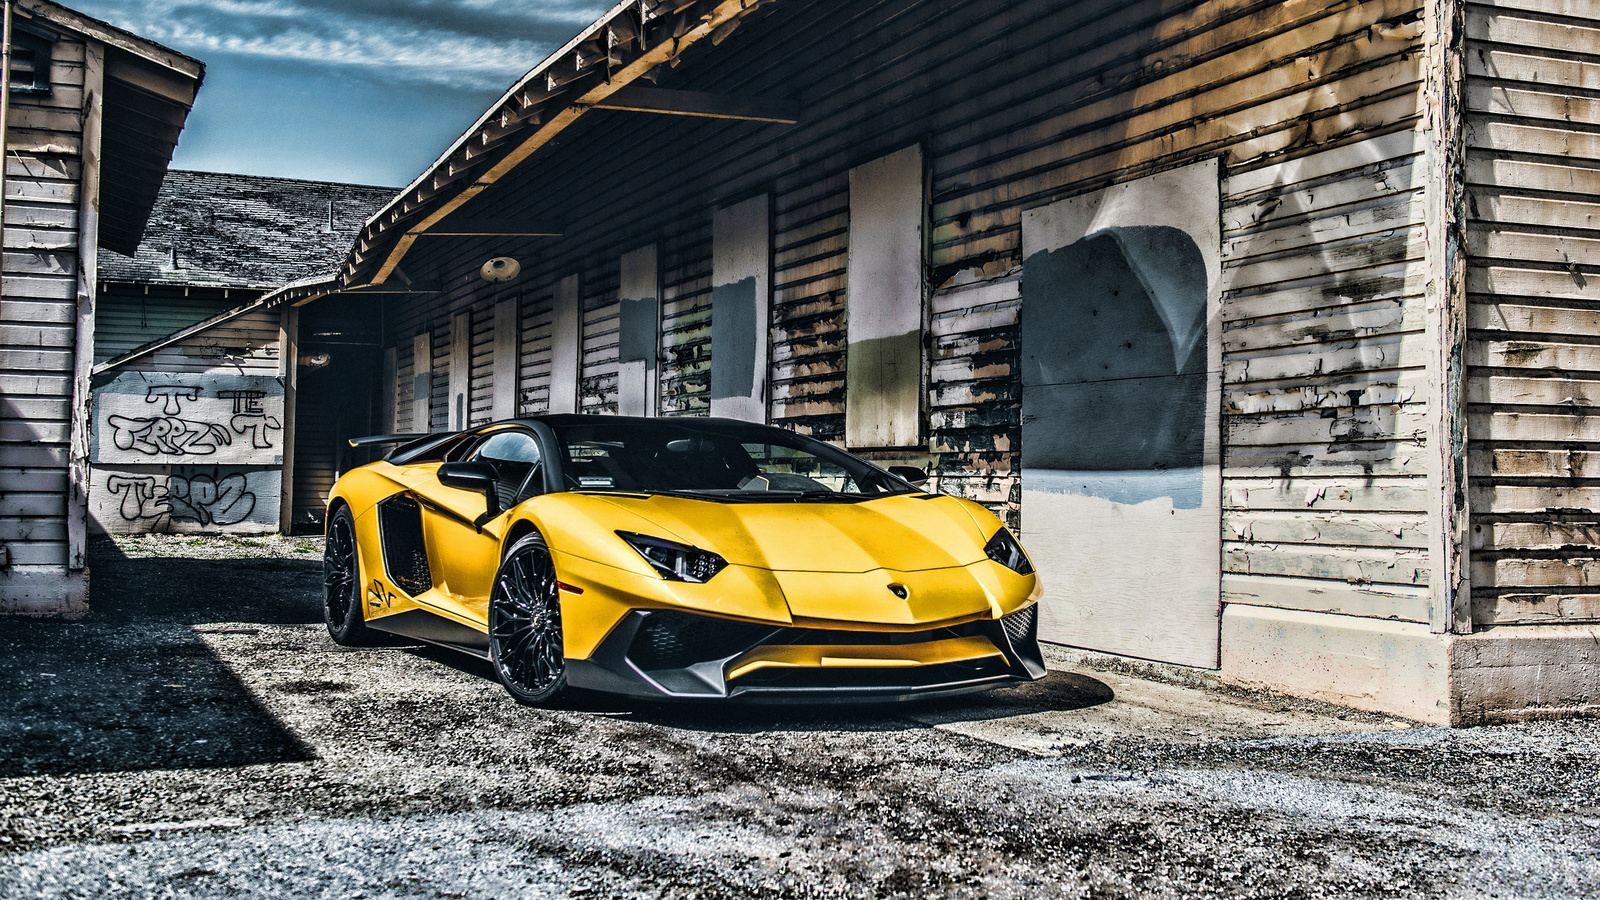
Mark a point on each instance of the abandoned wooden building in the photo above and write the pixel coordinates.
(179, 322)
(1271, 325)
(93, 114)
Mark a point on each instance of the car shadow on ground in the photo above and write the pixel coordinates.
(133, 686)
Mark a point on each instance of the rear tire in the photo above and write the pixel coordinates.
(525, 635)
(341, 584)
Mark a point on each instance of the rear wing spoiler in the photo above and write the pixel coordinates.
(372, 440)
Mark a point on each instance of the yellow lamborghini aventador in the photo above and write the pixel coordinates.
(677, 558)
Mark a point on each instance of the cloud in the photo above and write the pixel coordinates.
(473, 44)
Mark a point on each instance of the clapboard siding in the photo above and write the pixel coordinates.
(480, 399)
(244, 345)
(686, 320)
(534, 355)
(597, 297)
(1533, 132)
(38, 311)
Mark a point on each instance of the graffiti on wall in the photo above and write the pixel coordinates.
(144, 417)
(185, 498)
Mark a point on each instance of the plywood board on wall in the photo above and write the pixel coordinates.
(156, 418)
(507, 347)
(639, 333)
(184, 499)
(421, 382)
(741, 279)
(566, 337)
(885, 309)
(1121, 372)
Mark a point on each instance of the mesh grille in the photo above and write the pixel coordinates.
(1019, 625)
(673, 640)
(843, 678)
(405, 557)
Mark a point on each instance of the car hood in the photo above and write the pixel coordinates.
(905, 533)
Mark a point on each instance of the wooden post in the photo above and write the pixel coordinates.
(94, 73)
(288, 369)
(1444, 132)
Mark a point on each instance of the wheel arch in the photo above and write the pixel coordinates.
(519, 530)
(335, 504)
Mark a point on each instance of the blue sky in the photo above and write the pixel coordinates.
(364, 91)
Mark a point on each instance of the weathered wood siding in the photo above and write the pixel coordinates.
(1533, 175)
(1309, 106)
(39, 331)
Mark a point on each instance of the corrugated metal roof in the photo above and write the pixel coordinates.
(245, 231)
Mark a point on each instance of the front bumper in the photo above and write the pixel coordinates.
(677, 655)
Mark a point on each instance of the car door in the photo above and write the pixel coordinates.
(464, 547)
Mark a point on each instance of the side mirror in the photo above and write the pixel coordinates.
(916, 476)
(478, 477)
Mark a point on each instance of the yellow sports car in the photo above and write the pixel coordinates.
(678, 558)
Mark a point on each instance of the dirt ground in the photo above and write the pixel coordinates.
(200, 736)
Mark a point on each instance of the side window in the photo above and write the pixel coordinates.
(30, 62)
(515, 457)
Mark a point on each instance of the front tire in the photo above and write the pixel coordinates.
(341, 583)
(525, 637)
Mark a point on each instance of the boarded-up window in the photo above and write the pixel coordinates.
(638, 333)
(741, 278)
(565, 347)
(883, 366)
(506, 344)
(1121, 376)
(421, 380)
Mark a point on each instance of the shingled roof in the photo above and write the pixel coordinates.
(245, 231)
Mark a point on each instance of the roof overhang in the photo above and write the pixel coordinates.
(592, 71)
(149, 90)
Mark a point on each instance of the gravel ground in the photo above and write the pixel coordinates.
(199, 736)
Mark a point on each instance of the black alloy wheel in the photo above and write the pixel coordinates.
(525, 624)
(341, 583)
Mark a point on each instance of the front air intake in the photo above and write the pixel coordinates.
(1019, 625)
(673, 640)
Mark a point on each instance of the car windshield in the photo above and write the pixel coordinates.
(715, 460)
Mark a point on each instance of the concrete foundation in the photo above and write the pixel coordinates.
(43, 591)
(1516, 672)
(1400, 668)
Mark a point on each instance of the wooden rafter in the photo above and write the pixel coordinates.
(637, 98)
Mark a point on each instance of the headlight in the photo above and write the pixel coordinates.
(1004, 549)
(675, 561)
